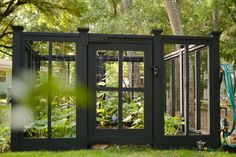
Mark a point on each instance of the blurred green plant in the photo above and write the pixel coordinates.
(41, 91)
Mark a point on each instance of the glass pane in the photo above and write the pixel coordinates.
(107, 68)
(63, 104)
(133, 110)
(107, 110)
(133, 69)
(192, 95)
(198, 109)
(40, 47)
(174, 114)
(61, 49)
(204, 97)
(38, 127)
(63, 117)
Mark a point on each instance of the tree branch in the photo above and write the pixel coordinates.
(9, 24)
(7, 11)
(11, 8)
(5, 53)
(6, 33)
(5, 46)
(10, 3)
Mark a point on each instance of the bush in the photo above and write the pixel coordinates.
(4, 138)
(4, 128)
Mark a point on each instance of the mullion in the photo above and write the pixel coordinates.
(197, 91)
(186, 89)
(123, 89)
(49, 93)
(120, 79)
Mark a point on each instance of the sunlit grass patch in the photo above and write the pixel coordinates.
(124, 151)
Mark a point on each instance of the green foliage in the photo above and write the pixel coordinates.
(63, 124)
(133, 110)
(63, 119)
(45, 86)
(107, 107)
(140, 19)
(4, 127)
(102, 17)
(172, 124)
(107, 110)
(108, 17)
(38, 15)
(4, 138)
(38, 93)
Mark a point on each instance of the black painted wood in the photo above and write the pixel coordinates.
(16, 69)
(120, 92)
(154, 88)
(197, 90)
(50, 92)
(82, 72)
(173, 107)
(186, 89)
(158, 90)
(214, 91)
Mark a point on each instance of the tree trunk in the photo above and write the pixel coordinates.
(134, 71)
(133, 67)
(173, 14)
(174, 18)
(126, 5)
(172, 8)
(216, 16)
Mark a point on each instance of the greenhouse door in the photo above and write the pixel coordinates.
(120, 76)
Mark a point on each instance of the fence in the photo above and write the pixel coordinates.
(145, 89)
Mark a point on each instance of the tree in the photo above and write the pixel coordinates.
(133, 68)
(29, 13)
(227, 24)
(174, 17)
(216, 16)
(172, 8)
(175, 23)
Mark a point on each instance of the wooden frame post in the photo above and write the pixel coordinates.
(158, 89)
(16, 69)
(81, 78)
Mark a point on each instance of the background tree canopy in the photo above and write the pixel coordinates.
(117, 16)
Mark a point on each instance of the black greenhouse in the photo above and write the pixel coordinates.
(154, 89)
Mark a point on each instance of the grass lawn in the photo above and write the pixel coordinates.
(123, 152)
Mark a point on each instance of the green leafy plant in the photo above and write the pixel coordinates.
(4, 138)
(62, 99)
(172, 124)
(4, 127)
(107, 110)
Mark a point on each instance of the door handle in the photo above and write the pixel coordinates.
(155, 70)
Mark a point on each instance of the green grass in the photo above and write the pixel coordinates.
(113, 151)
(122, 152)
